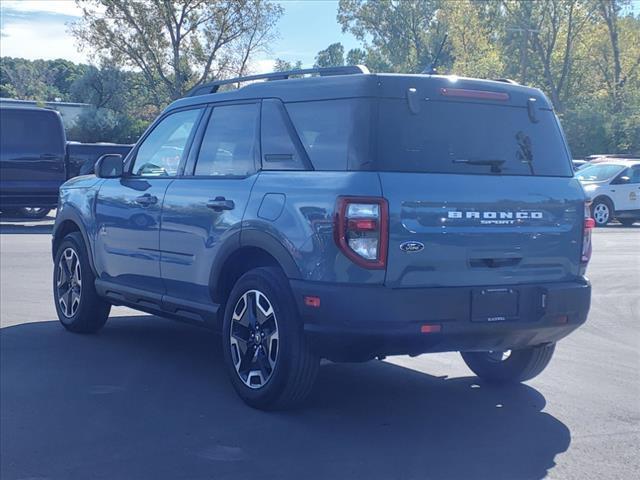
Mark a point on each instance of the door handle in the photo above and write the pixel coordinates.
(220, 203)
(146, 200)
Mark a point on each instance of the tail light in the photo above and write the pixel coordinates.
(361, 230)
(589, 224)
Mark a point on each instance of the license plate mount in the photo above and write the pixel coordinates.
(494, 304)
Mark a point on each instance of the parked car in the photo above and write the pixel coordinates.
(578, 164)
(345, 216)
(35, 159)
(606, 157)
(615, 188)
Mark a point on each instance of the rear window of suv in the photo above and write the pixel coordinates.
(469, 138)
(440, 137)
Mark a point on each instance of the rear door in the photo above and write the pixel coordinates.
(479, 194)
(203, 209)
(127, 246)
(32, 150)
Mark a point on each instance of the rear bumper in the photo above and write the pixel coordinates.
(361, 322)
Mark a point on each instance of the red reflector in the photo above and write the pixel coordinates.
(367, 224)
(562, 319)
(310, 301)
(430, 328)
(589, 223)
(480, 94)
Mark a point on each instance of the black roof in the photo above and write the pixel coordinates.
(385, 85)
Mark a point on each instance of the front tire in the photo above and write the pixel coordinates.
(511, 366)
(35, 213)
(266, 354)
(80, 309)
(602, 211)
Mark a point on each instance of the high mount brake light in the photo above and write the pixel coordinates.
(361, 230)
(478, 94)
(589, 225)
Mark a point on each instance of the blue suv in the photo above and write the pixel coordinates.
(338, 214)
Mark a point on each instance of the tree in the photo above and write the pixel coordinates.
(474, 46)
(332, 56)
(106, 125)
(618, 62)
(556, 25)
(403, 35)
(177, 45)
(284, 66)
(356, 56)
(38, 79)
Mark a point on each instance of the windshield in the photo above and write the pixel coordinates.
(465, 137)
(598, 173)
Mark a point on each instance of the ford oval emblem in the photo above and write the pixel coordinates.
(411, 247)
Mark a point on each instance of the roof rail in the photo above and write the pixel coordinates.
(213, 87)
(506, 80)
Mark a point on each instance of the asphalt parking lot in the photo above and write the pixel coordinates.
(148, 398)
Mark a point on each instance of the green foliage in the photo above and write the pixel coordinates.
(38, 79)
(106, 125)
(177, 45)
(332, 56)
(121, 107)
(284, 66)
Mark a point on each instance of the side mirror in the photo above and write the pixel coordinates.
(109, 166)
(622, 180)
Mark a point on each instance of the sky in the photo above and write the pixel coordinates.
(35, 29)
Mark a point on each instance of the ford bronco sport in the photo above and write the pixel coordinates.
(342, 215)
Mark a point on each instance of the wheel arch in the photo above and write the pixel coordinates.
(69, 221)
(254, 249)
(606, 198)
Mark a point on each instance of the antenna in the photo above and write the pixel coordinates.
(433, 69)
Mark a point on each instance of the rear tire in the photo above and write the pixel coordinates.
(80, 309)
(518, 366)
(266, 354)
(602, 211)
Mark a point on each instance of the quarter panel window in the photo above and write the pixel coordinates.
(335, 133)
(161, 152)
(229, 145)
(279, 150)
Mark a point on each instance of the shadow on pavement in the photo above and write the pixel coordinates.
(149, 398)
(9, 224)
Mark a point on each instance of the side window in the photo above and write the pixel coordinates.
(160, 153)
(334, 133)
(279, 151)
(229, 145)
(635, 174)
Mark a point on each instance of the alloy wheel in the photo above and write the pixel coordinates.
(254, 339)
(601, 213)
(69, 282)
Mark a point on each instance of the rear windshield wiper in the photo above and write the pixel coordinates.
(496, 165)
